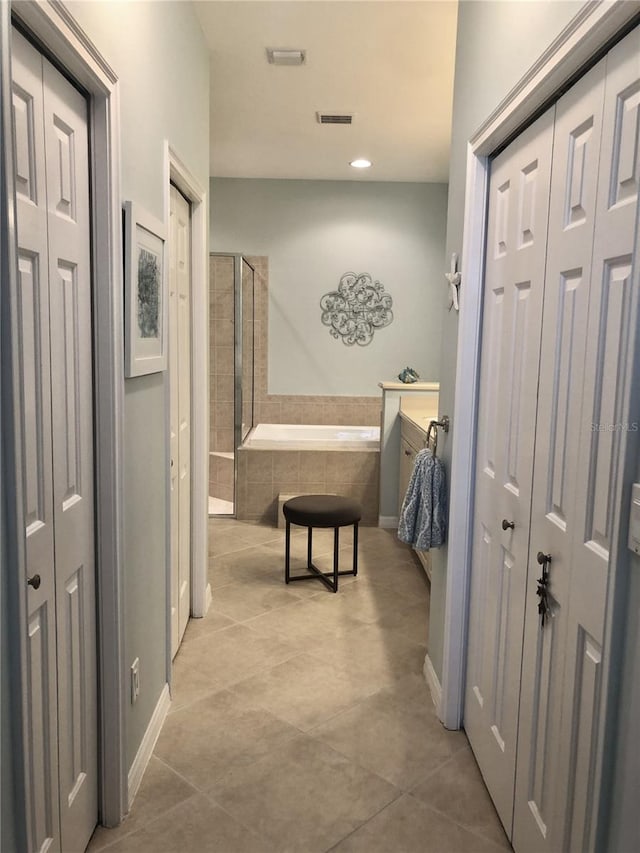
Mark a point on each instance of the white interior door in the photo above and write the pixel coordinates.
(541, 789)
(605, 413)
(514, 283)
(180, 413)
(35, 368)
(52, 181)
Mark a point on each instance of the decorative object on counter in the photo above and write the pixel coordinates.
(408, 376)
(454, 278)
(358, 308)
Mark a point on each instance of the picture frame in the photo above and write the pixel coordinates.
(145, 279)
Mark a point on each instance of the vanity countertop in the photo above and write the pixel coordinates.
(419, 410)
(395, 385)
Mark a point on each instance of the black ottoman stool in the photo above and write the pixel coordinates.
(321, 511)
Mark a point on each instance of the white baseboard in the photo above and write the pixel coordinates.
(433, 682)
(387, 521)
(145, 751)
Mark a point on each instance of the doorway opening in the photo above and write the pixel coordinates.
(232, 361)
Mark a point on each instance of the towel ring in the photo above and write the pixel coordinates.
(433, 428)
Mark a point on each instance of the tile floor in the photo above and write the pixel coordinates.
(300, 720)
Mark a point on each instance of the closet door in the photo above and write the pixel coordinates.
(52, 179)
(605, 413)
(35, 368)
(67, 160)
(514, 280)
(559, 754)
(540, 787)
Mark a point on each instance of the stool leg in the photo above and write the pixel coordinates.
(309, 546)
(287, 552)
(355, 548)
(335, 559)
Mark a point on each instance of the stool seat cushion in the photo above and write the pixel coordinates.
(322, 511)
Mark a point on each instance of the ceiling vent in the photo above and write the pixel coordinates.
(334, 118)
(286, 56)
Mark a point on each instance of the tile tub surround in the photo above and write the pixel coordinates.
(221, 475)
(300, 721)
(263, 474)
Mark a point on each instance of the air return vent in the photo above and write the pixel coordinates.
(334, 118)
(286, 56)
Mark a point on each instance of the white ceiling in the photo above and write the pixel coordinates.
(390, 62)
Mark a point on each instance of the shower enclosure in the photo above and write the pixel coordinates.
(231, 372)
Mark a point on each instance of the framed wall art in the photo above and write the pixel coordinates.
(145, 292)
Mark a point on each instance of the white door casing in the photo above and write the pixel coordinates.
(540, 790)
(180, 411)
(515, 258)
(52, 156)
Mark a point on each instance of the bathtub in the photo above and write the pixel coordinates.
(279, 460)
(311, 437)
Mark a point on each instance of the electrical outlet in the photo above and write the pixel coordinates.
(135, 680)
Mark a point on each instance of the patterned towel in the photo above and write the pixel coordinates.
(423, 517)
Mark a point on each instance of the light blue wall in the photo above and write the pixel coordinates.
(496, 44)
(158, 51)
(312, 233)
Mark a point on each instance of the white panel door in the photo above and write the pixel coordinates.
(606, 396)
(67, 159)
(35, 369)
(180, 412)
(52, 157)
(540, 790)
(514, 282)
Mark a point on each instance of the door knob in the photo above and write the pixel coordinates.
(543, 559)
(507, 524)
(35, 581)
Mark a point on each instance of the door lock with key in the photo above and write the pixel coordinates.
(543, 587)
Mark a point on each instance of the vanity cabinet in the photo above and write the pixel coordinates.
(413, 438)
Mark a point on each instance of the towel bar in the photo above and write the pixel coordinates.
(433, 427)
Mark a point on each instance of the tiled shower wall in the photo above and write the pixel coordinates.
(221, 366)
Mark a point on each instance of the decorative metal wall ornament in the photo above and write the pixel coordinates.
(356, 309)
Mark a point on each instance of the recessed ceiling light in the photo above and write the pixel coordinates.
(285, 56)
(360, 163)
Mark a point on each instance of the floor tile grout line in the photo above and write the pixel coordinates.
(148, 823)
(364, 823)
(437, 769)
(466, 827)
